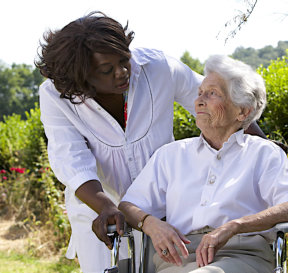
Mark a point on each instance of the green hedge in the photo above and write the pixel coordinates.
(274, 121)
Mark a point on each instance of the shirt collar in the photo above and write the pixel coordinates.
(237, 137)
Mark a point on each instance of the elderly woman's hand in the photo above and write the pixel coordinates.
(109, 216)
(165, 237)
(212, 242)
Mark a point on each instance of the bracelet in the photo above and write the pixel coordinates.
(141, 223)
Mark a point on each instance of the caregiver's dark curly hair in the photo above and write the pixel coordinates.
(66, 54)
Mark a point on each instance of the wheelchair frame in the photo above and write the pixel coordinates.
(279, 247)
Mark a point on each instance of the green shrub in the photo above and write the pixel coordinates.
(19, 140)
(28, 188)
(274, 121)
(184, 123)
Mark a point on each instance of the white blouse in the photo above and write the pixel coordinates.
(194, 185)
(85, 142)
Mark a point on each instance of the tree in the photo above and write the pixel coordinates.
(18, 89)
(194, 64)
(262, 56)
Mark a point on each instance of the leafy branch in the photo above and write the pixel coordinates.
(239, 20)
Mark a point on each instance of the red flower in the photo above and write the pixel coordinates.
(18, 170)
(2, 171)
(4, 178)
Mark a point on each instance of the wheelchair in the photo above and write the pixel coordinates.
(147, 251)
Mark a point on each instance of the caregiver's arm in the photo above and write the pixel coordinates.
(91, 193)
(163, 235)
(216, 239)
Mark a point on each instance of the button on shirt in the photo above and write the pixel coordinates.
(194, 185)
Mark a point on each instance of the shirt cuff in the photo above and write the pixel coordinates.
(81, 178)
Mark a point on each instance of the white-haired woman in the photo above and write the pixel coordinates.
(224, 190)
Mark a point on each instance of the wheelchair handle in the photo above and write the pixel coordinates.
(111, 229)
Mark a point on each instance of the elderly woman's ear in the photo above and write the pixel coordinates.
(244, 113)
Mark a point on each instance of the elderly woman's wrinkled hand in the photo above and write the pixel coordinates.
(107, 217)
(165, 237)
(211, 243)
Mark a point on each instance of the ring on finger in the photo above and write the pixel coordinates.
(211, 246)
(165, 252)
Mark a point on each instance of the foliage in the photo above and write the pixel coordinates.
(18, 89)
(262, 56)
(184, 123)
(34, 199)
(56, 212)
(20, 140)
(28, 189)
(275, 116)
(194, 64)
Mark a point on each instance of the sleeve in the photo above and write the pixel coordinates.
(70, 158)
(273, 182)
(185, 83)
(148, 191)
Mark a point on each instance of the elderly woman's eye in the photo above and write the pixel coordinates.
(213, 93)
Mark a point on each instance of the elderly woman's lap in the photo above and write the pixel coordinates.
(242, 254)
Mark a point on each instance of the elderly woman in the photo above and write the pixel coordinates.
(224, 190)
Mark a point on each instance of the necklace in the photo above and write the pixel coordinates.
(125, 96)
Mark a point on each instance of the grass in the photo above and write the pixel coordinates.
(23, 263)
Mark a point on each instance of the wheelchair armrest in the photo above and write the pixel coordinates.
(282, 227)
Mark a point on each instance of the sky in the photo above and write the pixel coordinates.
(173, 26)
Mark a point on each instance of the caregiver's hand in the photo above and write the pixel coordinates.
(91, 193)
(109, 216)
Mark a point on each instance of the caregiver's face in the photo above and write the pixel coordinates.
(213, 106)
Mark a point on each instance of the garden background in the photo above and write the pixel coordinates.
(32, 199)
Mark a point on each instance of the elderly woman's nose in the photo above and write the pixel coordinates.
(200, 100)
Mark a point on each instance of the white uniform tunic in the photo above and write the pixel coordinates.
(85, 142)
(194, 185)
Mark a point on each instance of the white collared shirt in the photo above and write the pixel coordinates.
(85, 142)
(194, 185)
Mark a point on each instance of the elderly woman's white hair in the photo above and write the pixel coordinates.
(245, 86)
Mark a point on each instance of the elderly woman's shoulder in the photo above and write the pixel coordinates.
(181, 144)
(263, 145)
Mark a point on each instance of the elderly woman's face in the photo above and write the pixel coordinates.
(213, 106)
